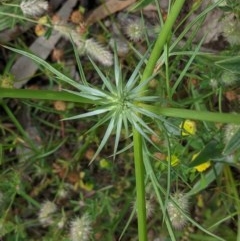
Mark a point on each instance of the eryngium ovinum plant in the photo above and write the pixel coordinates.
(117, 102)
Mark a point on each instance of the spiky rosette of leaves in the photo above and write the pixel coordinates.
(118, 103)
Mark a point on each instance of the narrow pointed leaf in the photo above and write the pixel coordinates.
(88, 114)
(105, 138)
(118, 135)
(133, 78)
(44, 64)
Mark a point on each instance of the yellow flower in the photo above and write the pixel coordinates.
(202, 167)
(174, 160)
(40, 30)
(188, 128)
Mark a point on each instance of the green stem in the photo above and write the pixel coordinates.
(193, 114)
(140, 186)
(162, 39)
(42, 95)
(137, 138)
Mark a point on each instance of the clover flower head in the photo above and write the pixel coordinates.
(231, 29)
(229, 78)
(149, 207)
(178, 208)
(34, 8)
(81, 229)
(6, 81)
(85, 46)
(135, 30)
(45, 213)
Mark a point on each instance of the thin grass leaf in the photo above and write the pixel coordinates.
(230, 64)
(138, 89)
(184, 71)
(106, 82)
(42, 62)
(133, 78)
(80, 69)
(233, 144)
(147, 99)
(157, 188)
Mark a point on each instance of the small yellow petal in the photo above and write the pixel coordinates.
(174, 160)
(202, 167)
(188, 128)
(43, 20)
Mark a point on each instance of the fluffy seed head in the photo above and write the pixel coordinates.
(175, 207)
(34, 8)
(80, 229)
(149, 207)
(98, 52)
(45, 213)
(231, 29)
(89, 46)
(228, 78)
(134, 30)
